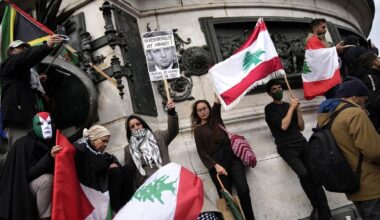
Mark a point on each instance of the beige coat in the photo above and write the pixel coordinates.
(354, 133)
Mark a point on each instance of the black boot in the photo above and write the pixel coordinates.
(314, 214)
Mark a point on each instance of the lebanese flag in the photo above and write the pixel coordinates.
(172, 192)
(253, 64)
(71, 199)
(320, 69)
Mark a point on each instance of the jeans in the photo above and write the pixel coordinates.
(297, 156)
(369, 209)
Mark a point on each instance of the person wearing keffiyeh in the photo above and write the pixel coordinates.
(147, 151)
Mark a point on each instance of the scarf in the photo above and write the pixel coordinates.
(85, 140)
(95, 132)
(143, 144)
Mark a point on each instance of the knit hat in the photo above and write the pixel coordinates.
(352, 87)
(95, 132)
(366, 59)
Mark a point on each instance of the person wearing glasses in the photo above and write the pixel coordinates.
(286, 123)
(215, 152)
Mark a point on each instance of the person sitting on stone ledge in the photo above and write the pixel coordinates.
(27, 177)
(97, 169)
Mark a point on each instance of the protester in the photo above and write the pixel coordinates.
(147, 151)
(316, 39)
(351, 62)
(97, 169)
(355, 135)
(21, 87)
(214, 149)
(286, 123)
(318, 28)
(371, 78)
(27, 178)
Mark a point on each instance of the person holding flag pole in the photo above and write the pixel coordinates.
(286, 123)
(21, 86)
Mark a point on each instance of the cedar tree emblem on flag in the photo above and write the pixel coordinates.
(154, 190)
(171, 193)
(253, 64)
(305, 69)
(252, 59)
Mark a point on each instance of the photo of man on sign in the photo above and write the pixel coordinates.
(161, 59)
(161, 55)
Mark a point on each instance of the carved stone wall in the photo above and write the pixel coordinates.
(272, 182)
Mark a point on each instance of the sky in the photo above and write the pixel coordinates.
(375, 31)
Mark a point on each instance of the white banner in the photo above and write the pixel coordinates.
(161, 55)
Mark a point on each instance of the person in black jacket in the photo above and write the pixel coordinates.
(371, 78)
(350, 57)
(27, 178)
(99, 170)
(20, 85)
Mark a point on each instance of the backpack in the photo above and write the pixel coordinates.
(328, 164)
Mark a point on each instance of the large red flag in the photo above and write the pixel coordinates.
(69, 200)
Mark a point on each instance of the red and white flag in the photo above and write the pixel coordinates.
(253, 64)
(320, 69)
(71, 199)
(171, 193)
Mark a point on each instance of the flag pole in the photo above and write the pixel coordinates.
(166, 85)
(97, 69)
(288, 85)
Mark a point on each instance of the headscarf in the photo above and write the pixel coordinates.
(95, 132)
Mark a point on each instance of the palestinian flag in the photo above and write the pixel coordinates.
(320, 69)
(71, 199)
(253, 64)
(18, 25)
(172, 192)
